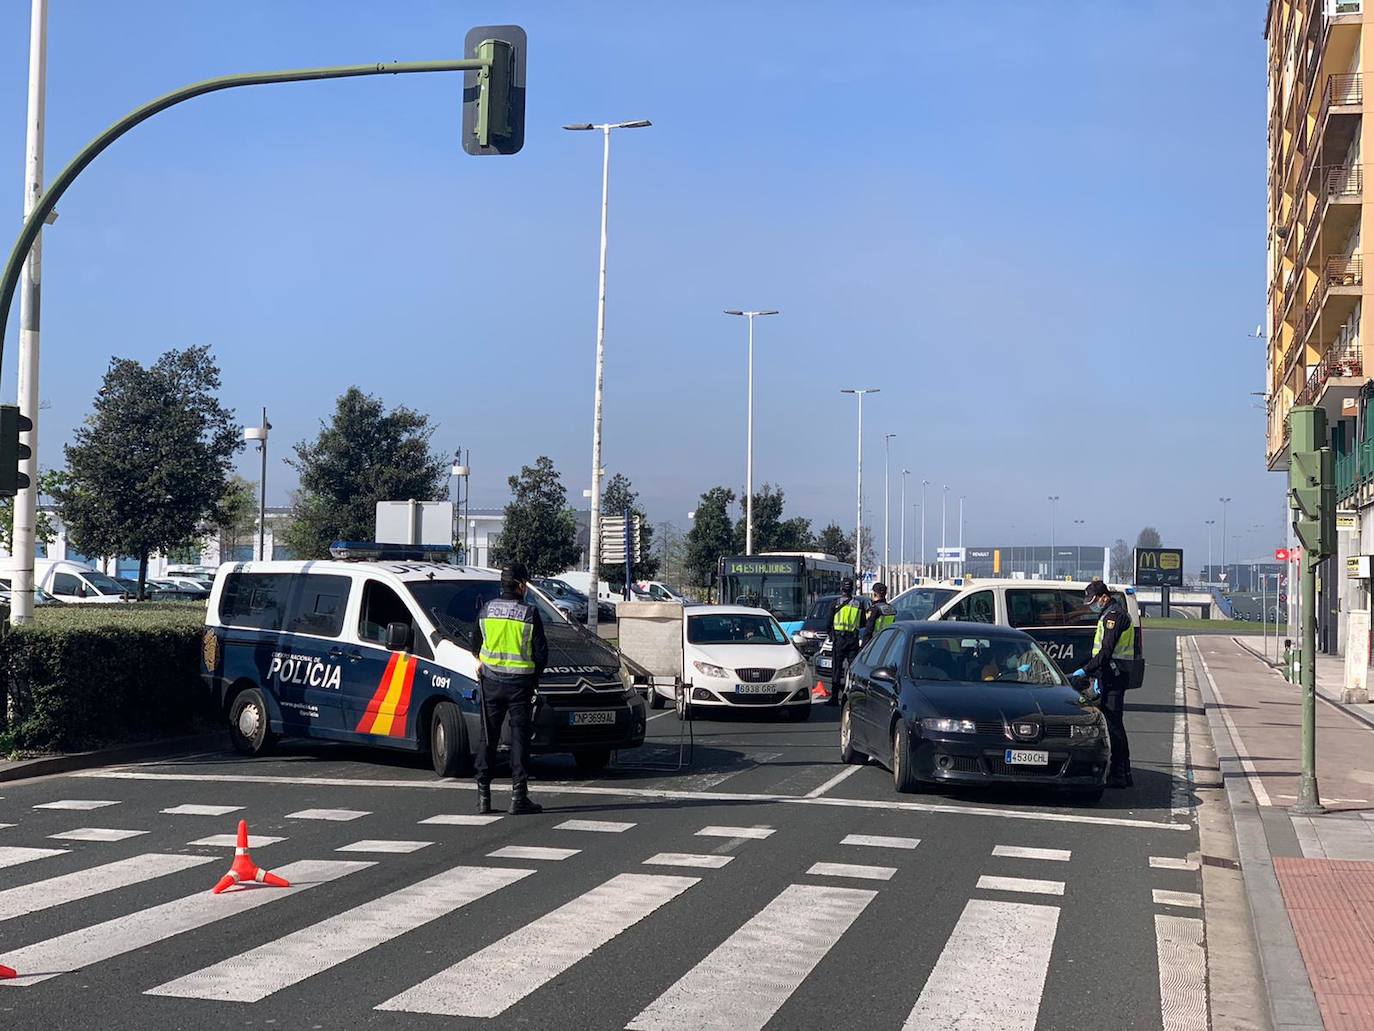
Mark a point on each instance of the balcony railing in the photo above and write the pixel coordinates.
(1341, 90)
(1344, 271)
(1339, 361)
(1344, 181)
(1332, 8)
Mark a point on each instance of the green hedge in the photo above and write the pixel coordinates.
(82, 676)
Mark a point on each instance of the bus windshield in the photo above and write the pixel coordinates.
(784, 594)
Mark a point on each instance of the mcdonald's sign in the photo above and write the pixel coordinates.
(1159, 567)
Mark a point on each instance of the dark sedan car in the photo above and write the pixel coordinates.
(970, 703)
(815, 629)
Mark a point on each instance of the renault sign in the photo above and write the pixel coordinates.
(1159, 567)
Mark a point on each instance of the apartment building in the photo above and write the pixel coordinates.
(1319, 352)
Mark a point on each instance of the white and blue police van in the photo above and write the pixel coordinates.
(374, 647)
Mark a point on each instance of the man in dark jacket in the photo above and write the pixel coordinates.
(511, 654)
(881, 614)
(1113, 644)
(846, 625)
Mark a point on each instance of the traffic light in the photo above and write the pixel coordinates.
(1312, 482)
(12, 481)
(494, 97)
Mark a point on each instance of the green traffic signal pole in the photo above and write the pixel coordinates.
(34, 224)
(1309, 798)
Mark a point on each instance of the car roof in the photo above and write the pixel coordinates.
(953, 628)
(725, 610)
(404, 571)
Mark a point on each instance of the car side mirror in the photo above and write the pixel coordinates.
(397, 636)
(886, 673)
(81, 590)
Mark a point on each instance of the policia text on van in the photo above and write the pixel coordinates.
(379, 652)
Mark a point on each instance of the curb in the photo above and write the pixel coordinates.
(1292, 1003)
(1354, 714)
(23, 769)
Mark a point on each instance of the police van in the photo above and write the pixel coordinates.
(375, 648)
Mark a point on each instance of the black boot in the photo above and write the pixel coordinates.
(483, 798)
(520, 804)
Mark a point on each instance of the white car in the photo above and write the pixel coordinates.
(77, 584)
(736, 657)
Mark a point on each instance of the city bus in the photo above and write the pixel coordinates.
(787, 584)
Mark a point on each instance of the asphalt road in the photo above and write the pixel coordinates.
(688, 899)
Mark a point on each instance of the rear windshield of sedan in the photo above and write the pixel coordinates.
(973, 660)
(740, 628)
(919, 602)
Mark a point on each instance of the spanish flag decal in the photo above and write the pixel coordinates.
(386, 712)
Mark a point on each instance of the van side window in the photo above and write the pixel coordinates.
(977, 607)
(65, 584)
(296, 603)
(252, 600)
(380, 607)
(316, 605)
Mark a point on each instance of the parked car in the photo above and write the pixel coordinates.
(179, 589)
(815, 628)
(965, 703)
(40, 596)
(75, 583)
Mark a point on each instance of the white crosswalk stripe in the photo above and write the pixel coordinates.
(533, 852)
(604, 826)
(489, 982)
(231, 840)
(258, 973)
(1182, 973)
(147, 927)
(1023, 884)
(77, 804)
(383, 845)
(1015, 940)
(96, 834)
(330, 815)
(734, 832)
(192, 809)
(1053, 855)
(687, 859)
(95, 880)
(867, 873)
(1190, 899)
(879, 841)
(758, 966)
(462, 819)
(13, 855)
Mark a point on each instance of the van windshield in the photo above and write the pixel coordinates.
(103, 584)
(454, 604)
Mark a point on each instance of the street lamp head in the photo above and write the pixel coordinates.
(640, 123)
(580, 127)
(733, 311)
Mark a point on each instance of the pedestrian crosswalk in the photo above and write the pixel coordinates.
(547, 910)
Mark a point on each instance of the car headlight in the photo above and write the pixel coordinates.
(794, 670)
(810, 635)
(1084, 731)
(945, 725)
(710, 669)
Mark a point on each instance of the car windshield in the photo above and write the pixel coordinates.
(920, 602)
(454, 604)
(973, 660)
(734, 628)
(103, 584)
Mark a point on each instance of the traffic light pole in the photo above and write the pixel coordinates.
(1309, 799)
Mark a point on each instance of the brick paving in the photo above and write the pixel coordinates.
(1331, 905)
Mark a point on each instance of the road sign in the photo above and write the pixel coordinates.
(1283, 597)
(613, 539)
(1159, 567)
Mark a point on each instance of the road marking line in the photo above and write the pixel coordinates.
(1026, 884)
(1014, 939)
(1182, 973)
(81, 804)
(492, 980)
(231, 840)
(1172, 863)
(848, 771)
(1053, 855)
(867, 873)
(747, 978)
(1242, 753)
(384, 845)
(95, 880)
(603, 826)
(660, 715)
(190, 809)
(332, 815)
(13, 855)
(258, 973)
(1180, 797)
(661, 794)
(1191, 899)
(533, 852)
(687, 859)
(462, 819)
(879, 841)
(734, 832)
(145, 927)
(96, 834)
(4, 825)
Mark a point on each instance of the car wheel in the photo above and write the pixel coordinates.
(903, 777)
(249, 725)
(591, 760)
(799, 713)
(448, 742)
(656, 700)
(848, 753)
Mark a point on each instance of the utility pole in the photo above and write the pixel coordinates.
(962, 557)
(1211, 572)
(887, 505)
(1053, 499)
(258, 435)
(1224, 503)
(901, 549)
(924, 485)
(859, 392)
(944, 522)
(749, 435)
(26, 501)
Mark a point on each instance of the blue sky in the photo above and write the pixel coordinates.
(1039, 228)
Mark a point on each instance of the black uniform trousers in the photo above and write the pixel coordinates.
(841, 656)
(1113, 706)
(502, 698)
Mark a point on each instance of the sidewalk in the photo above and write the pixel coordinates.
(1318, 871)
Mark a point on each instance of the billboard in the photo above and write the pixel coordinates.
(1159, 567)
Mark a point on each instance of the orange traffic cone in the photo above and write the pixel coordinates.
(7, 972)
(820, 692)
(244, 869)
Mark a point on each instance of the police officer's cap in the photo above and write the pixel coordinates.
(846, 586)
(1096, 589)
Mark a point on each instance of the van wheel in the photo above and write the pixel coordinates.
(250, 728)
(591, 760)
(903, 777)
(448, 742)
(656, 700)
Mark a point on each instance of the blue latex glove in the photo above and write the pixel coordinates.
(1077, 673)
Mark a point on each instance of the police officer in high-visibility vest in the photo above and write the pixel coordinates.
(511, 654)
(881, 614)
(1112, 645)
(846, 626)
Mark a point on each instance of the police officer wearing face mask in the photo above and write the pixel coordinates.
(1113, 644)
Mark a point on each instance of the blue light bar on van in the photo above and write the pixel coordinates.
(372, 551)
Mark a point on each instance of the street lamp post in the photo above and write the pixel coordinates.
(901, 547)
(258, 435)
(1210, 523)
(887, 505)
(749, 435)
(594, 521)
(1053, 499)
(961, 535)
(859, 392)
(940, 559)
(1078, 549)
(1224, 503)
(924, 485)
(461, 471)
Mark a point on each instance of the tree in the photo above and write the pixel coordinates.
(43, 530)
(1121, 564)
(618, 496)
(1148, 538)
(794, 535)
(363, 455)
(539, 528)
(238, 522)
(834, 541)
(149, 466)
(712, 535)
(771, 531)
